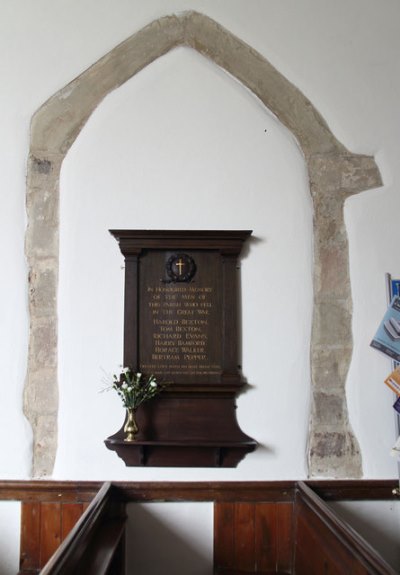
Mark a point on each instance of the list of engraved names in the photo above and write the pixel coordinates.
(182, 320)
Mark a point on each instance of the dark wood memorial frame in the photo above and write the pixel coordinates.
(181, 292)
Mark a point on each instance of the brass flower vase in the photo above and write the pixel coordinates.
(130, 427)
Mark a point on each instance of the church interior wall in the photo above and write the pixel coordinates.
(170, 138)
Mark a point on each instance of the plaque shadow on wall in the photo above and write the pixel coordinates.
(181, 324)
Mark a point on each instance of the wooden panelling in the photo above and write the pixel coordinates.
(30, 536)
(224, 543)
(253, 537)
(244, 537)
(50, 530)
(44, 525)
(274, 537)
(70, 513)
(265, 539)
(284, 543)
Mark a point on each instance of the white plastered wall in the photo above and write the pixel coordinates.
(165, 152)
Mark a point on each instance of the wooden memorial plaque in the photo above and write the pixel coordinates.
(180, 316)
(181, 326)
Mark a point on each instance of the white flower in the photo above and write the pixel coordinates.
(133, 388)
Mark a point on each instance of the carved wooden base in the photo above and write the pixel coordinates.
(185, 431)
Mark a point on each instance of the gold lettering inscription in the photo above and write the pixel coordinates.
(180, 342)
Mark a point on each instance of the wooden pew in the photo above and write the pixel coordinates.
(324, 544)
(66, 522)
(259, 527)
(95, 545)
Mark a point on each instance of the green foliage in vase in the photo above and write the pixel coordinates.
(134, 389)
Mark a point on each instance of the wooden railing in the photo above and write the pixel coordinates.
(326, 544)
(259, 527)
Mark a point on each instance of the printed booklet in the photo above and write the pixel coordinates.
(393, 381)
(387, 338)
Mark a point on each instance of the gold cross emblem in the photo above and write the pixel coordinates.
(180, 264)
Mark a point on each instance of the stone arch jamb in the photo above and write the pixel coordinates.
(334, 174)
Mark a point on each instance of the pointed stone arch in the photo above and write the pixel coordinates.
(334, 175)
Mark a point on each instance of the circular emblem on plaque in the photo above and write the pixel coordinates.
(181, 268)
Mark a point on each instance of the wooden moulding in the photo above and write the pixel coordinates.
(354, 489)
(181, 324)
(131, 491)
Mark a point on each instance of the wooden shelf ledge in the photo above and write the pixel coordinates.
(181, 453)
